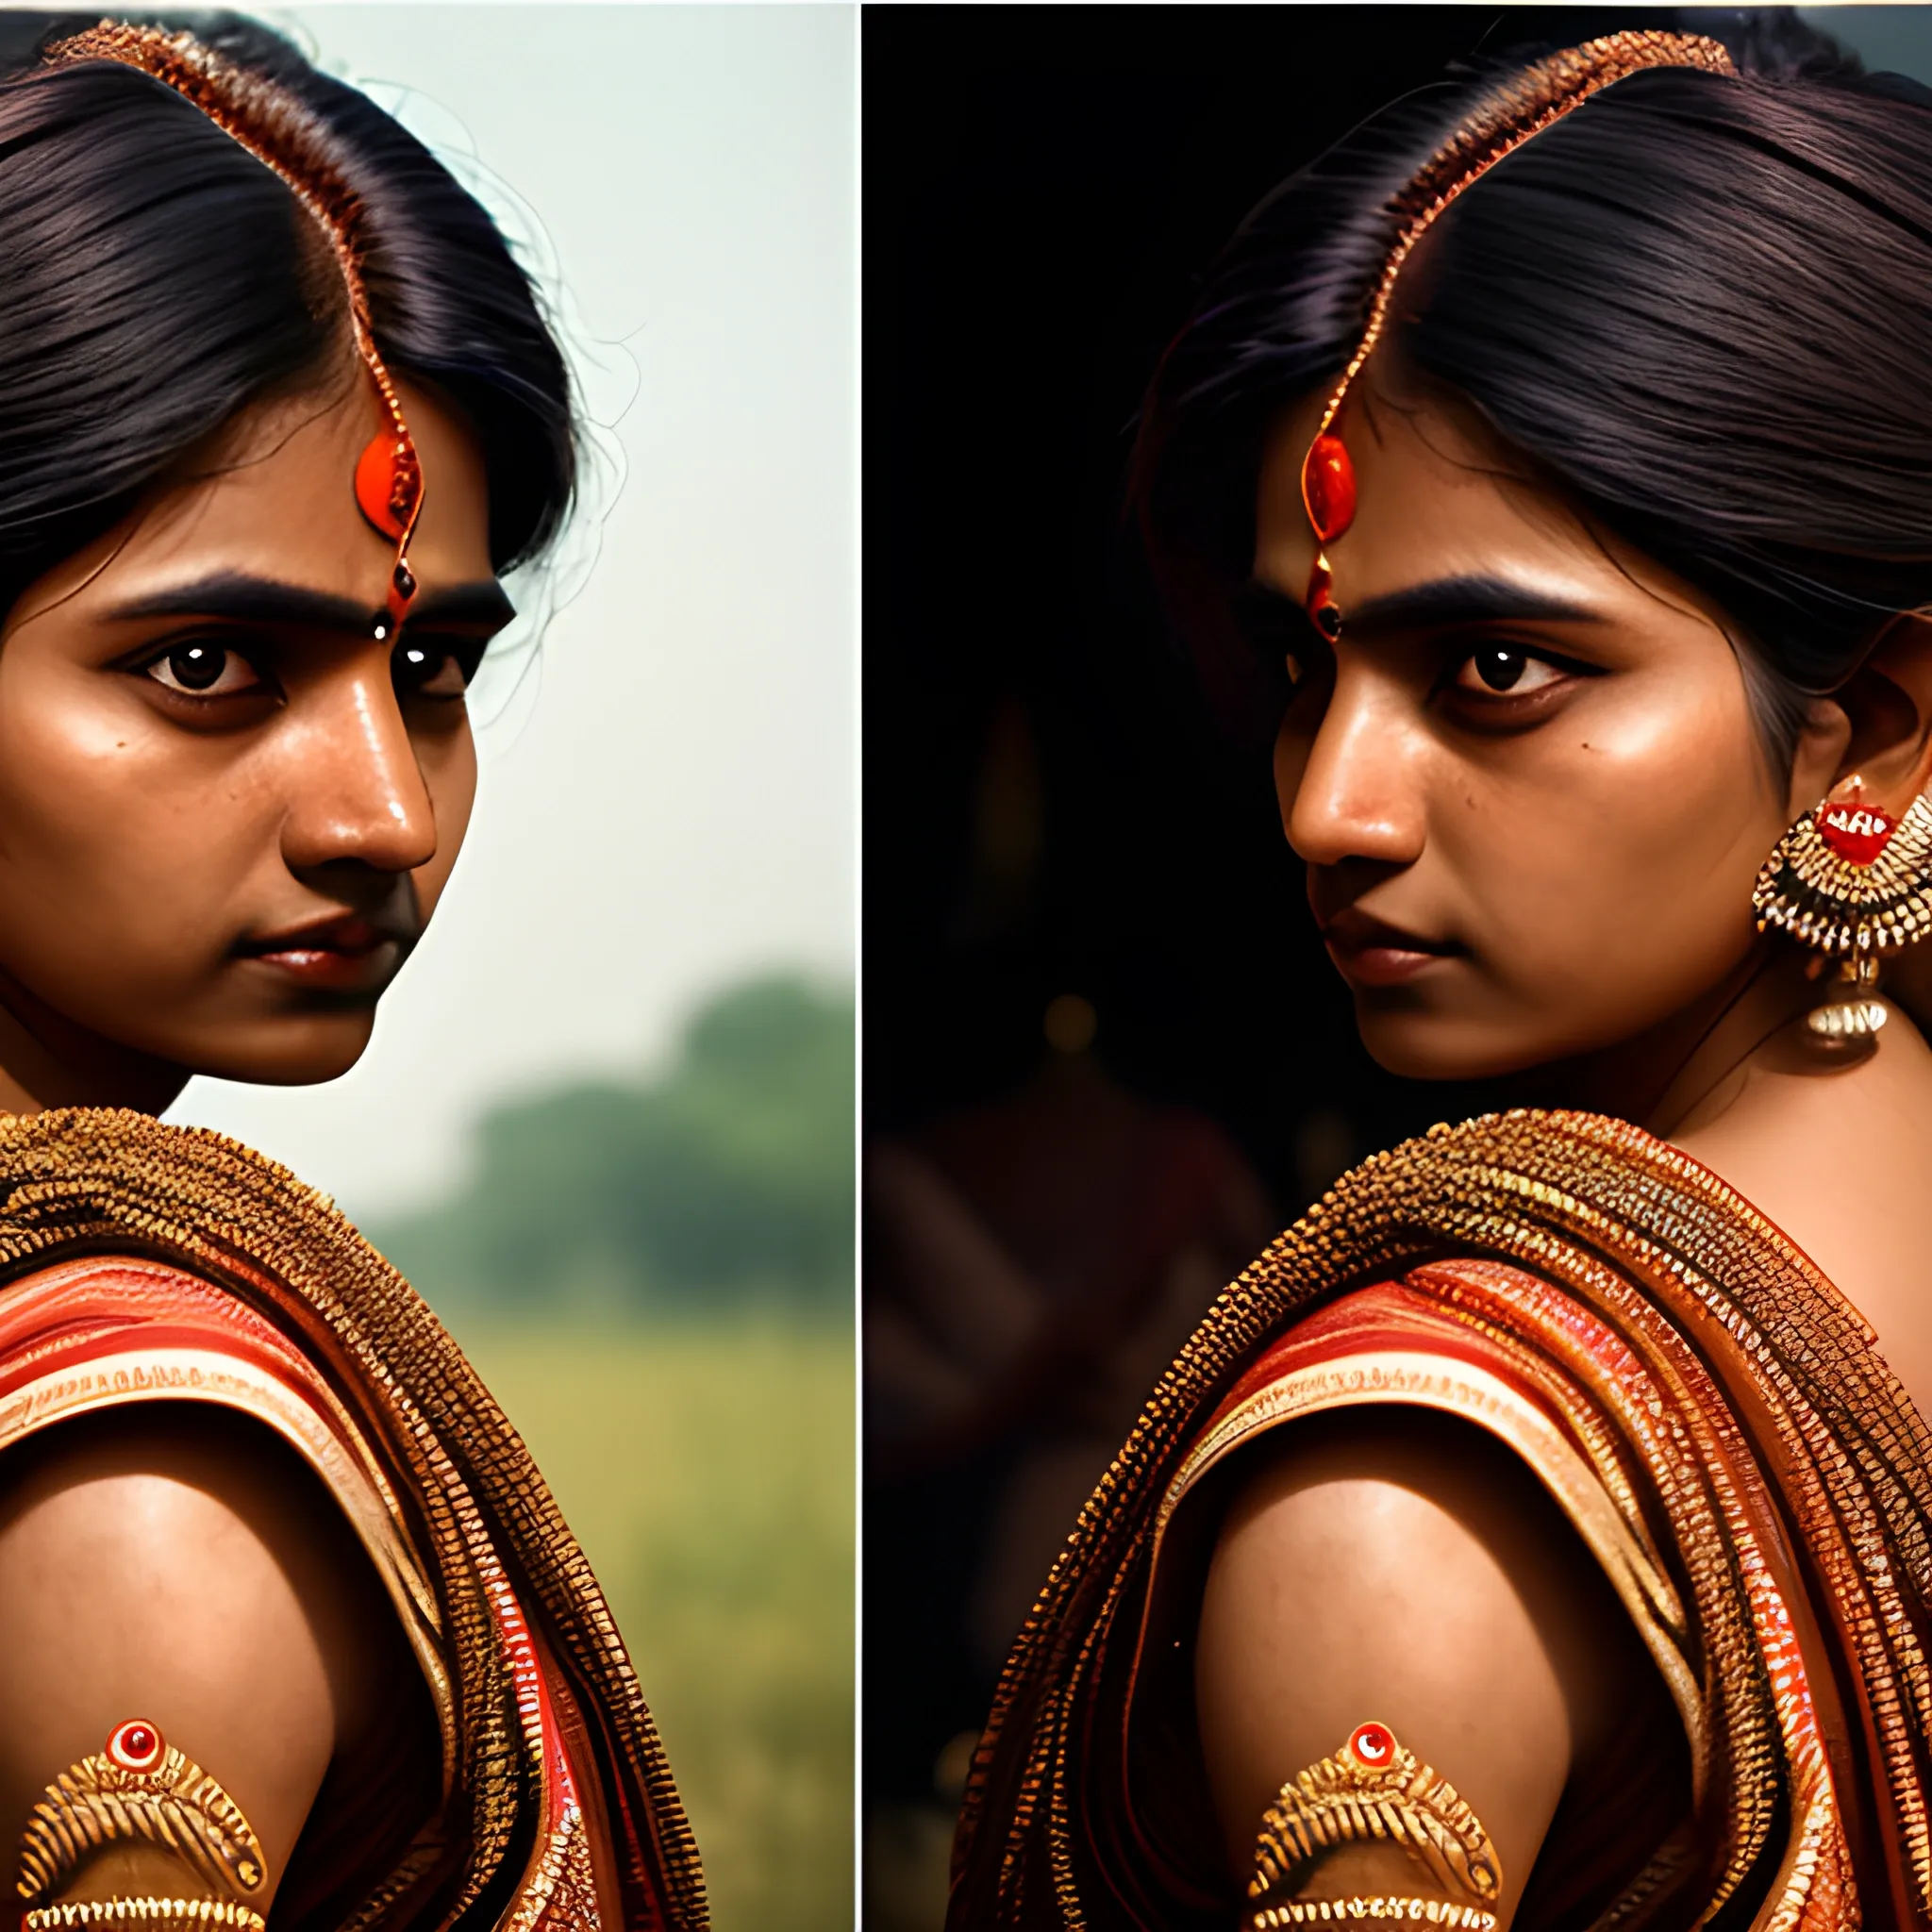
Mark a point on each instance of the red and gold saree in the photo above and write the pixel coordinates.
(145, 1263)
(1710, 1416)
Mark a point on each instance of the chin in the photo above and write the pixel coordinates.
(302, 1052)
(1416, 1045)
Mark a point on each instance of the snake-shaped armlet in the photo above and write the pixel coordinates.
(1373, 1789)
(139, 1786)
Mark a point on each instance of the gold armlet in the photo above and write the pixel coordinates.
(1371, 1788)
(146, 1915)
(139, 1786)
(1423, 1911)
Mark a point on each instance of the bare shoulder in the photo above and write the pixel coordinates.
(180, 1565)
(1397, 1566)
(1761, 1135)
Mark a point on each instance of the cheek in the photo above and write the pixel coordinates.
(102, 841)
(132, 853)
(449, 764)
(1621, 855)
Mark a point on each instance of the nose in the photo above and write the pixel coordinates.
(1355, 791)
(356, 793)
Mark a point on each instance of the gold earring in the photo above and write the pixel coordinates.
(1853, 882)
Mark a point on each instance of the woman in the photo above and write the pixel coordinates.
(291, 1627)
(1541, 1532)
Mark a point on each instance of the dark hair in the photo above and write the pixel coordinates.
(158, 279)
(1700, 305)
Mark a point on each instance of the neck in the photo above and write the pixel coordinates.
(1678, 1069)
(47, 1059)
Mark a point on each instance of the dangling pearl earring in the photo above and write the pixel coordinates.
(1853, 882)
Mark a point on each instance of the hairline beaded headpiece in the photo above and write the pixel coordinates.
(1515, 111)
(246, 106)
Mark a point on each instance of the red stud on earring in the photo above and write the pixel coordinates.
(1328, 497)
(1855, 830)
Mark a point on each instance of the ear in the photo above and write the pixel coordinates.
(1887, 701)
(1819, 754)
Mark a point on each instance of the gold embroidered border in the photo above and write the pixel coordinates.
(185, 1375)
(1463, 1389)
(1620, 1219)
(82, 1185)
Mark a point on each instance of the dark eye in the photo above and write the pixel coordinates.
(1501, 668)
(424, 668)
(204, 668)
(1497, 668)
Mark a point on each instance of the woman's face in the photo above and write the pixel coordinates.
(1526, 782)
(226, 806)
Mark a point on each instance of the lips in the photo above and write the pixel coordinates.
(1370, 952)
(344, 953)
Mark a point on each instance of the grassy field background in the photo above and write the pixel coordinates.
(708, 1472)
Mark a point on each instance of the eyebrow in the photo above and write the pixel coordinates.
(245, 599)
(1443, 603)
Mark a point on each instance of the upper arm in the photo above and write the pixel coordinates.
(1396, 1565)
(180, 1565)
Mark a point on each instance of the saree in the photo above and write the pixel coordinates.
(142, 1263)
(1710, 1417)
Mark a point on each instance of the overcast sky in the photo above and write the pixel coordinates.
(674, 805)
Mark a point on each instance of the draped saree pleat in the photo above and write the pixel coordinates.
(140, 1262)
(1716, 1425)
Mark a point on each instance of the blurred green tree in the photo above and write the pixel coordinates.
(725, 1184)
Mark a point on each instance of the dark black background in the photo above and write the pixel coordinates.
(1043, 188)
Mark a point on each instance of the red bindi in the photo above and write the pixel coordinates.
(1328, 487)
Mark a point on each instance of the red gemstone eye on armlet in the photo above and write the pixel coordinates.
(136, 1745)
(138, 1786)
(1374, 1744)
(1373, 1789)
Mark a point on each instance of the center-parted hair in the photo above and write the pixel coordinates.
(1699, 306)
(158, 279)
